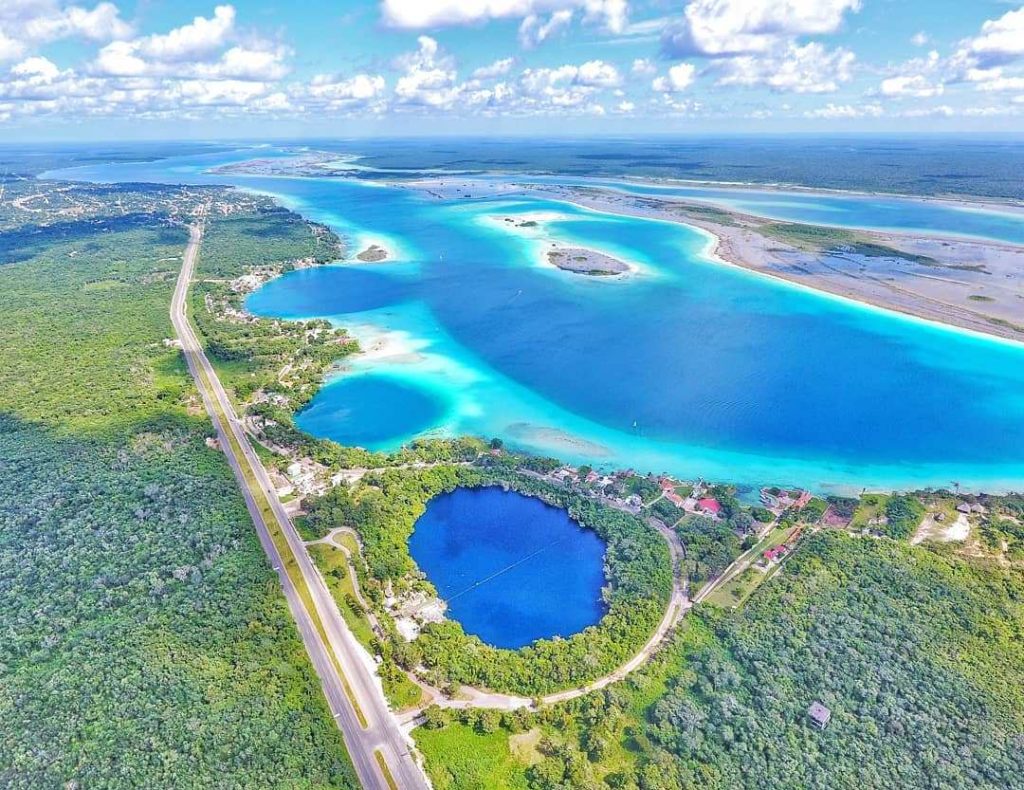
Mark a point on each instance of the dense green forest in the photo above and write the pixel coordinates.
(916, 651)
(146, 642)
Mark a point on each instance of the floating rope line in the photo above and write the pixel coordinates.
(506, 569)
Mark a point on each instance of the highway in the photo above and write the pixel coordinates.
(381, 736)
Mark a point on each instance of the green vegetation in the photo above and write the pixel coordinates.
(903, 514)
(146, 640)
(637, 564)
(710, 546)
(818, 238)
(915, 653)
(869, 512)
(460, 757)
(334, 566)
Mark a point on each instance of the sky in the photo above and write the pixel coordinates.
(186, 69)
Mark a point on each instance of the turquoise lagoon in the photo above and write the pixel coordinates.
(688, 366)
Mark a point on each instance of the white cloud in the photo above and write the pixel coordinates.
(1001, 83)
(422, 14)
(919, 39)
(625, 107)
(598, 74)
(429, 77)
(27, 24)
(679, 78)
(358, 92)
(941, 111)
(733, 27)
(534, 30)
(195, 51)
(1001, 41)
(497, 69)
(916, 85)
(643, 67)
(196, 39)
(36, 67)
(808, 69)
(838, 111)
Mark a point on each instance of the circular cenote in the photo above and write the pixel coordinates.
(511, 568)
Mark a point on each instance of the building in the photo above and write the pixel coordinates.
(819, 715)
(774, 554)
(674, 498)
(709, 506)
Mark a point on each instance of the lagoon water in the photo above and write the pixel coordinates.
(689, 367)
(511, 568)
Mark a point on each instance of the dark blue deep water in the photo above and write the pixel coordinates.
(511, 568)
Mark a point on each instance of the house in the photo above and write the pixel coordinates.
(963, 507)
(781, 499)
(674, 498)
(709, 506)
(774, 554)
(819, 715)
(977, 507)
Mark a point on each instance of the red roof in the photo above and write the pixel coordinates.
(710, 505)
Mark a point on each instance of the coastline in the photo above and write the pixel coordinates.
(836, 276)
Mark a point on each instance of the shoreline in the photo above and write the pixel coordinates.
(581, 260)
(731, 245)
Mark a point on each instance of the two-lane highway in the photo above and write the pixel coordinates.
(381, 736)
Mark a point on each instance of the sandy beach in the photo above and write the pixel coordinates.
(551, 253)
(966, 283)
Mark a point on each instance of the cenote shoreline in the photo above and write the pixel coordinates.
(636, 563)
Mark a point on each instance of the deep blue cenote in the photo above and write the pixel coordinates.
(690, 367)
(512, 568)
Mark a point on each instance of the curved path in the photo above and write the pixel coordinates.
(472, 697)
(379, 750)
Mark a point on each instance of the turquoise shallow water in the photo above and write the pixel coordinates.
(689, 366)
(500, 559)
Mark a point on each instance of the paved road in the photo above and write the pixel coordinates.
(382, 732)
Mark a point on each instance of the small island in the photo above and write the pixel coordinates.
(580, 260)
(373, 254)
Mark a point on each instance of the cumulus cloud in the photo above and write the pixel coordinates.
(195, 50)
(717, 28)
(643, 67)
(1001, 41)
(28, 24)
(916, 85)
(202, 65)
(539, 19)
(429, 77)
(418, 14)
(534, 30)
(196, 39)
(679, 78)
(498, 68)
(808, 69)
(332, 93)
(840, 111)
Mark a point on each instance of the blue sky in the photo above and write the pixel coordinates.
(158, 69)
